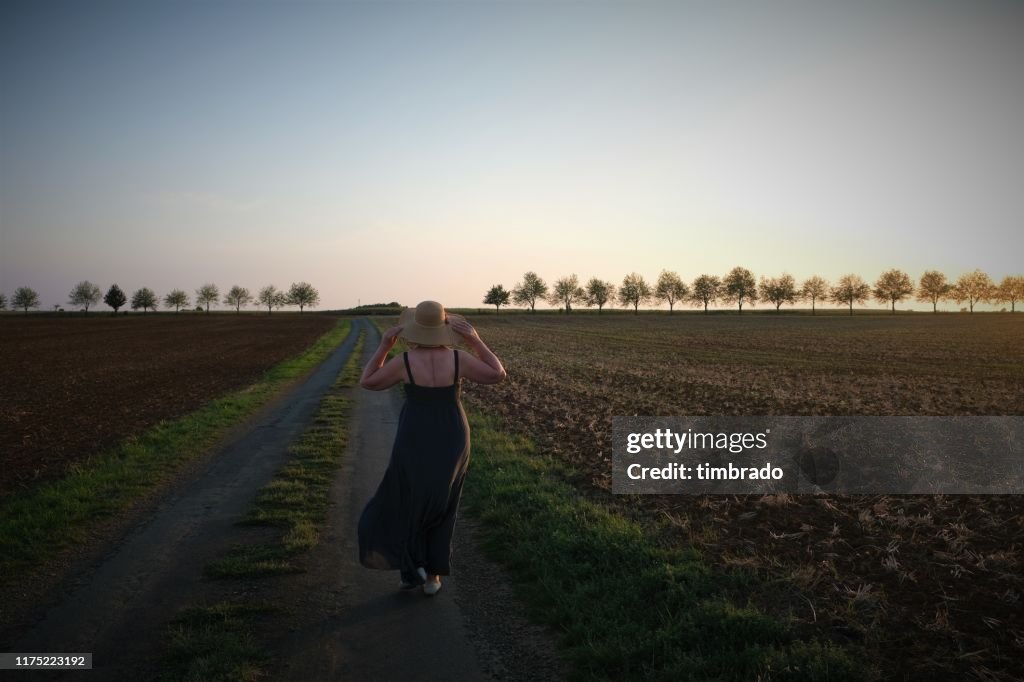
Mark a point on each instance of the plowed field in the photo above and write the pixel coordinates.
(933, 586)
(70, 387)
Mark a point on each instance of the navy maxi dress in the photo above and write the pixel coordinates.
(410, 520)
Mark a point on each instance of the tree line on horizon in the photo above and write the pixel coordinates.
(86, 295)
(739, 287)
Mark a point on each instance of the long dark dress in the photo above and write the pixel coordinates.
(410, 520)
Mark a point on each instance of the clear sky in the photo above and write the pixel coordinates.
(401, 151)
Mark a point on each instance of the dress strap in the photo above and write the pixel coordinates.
(408, 370)
(456, 351)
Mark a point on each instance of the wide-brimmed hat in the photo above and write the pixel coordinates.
(429, 325)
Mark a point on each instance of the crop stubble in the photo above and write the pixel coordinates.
(933, 584)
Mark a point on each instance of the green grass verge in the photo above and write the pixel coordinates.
(202, 645)
(629, 607)
(213, 643)
(35, 525)
(252, 561)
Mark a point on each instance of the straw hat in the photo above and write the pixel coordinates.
(428, 324)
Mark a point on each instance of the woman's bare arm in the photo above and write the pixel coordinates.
(485, 367)
(379, 374)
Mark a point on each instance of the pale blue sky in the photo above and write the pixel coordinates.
(401, 151)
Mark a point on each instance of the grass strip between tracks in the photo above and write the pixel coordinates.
(38, 524)
(296, 499)
(219, 641)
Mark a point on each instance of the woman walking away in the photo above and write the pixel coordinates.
(408, 523)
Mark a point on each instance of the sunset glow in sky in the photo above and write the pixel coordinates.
(402, 151)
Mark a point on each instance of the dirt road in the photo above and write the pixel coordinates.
(351, 623)
(343, 621)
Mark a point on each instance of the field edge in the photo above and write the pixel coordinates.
(591, 573)
(41, 524)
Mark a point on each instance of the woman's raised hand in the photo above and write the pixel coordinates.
(391, 336)
(464, 328)
(485, 368)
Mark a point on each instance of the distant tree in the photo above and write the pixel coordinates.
(207, 294)
(1011, 290)
(115, 298)
(238, 298)
(739, 286)
(177, 299)
(973, 287)
(671, 289)
(851, 289)
(303, 295)
(814, 289)
(84, 295)
(3, 302)
(529, 290)
(778, 290)
(634, 291)
(706, 290)
(392, 304)
(599, 292)
(892, 286)
(932, 288)
(567, 291)
(270, 297)
(144, 298)
(497, 296)
(25, 298)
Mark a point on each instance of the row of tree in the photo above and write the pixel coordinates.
(740, 288)
(86, 295)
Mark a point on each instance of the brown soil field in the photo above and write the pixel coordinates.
(71, 387)
(931, 585)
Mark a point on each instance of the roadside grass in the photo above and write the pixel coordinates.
(628, 606)
(209, 643)
(252, 561)
(220, 642)
(36, 525)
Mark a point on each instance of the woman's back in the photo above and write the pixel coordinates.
(431, 367)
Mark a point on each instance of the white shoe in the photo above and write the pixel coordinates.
(431, 588)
